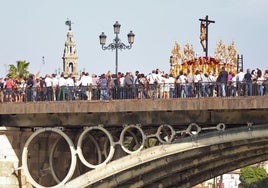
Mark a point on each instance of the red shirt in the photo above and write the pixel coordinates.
(9, 83)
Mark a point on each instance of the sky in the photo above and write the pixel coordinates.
(32, 29)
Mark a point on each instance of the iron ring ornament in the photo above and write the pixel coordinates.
(165, 133)
(25, 157)
(82, 138)
(134, 136)
(132, 139)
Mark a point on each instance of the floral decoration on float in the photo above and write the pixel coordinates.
(186, 61)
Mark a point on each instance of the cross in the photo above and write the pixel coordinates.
(204, 33)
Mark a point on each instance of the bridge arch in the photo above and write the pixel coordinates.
(186, 163)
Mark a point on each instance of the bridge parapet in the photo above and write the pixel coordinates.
(229, 103)
(145, 112)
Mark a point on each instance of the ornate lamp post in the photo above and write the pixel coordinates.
(116, 44)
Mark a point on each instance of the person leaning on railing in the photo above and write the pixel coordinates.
(103, 87)
(62, 88)
(55, 86)
(197, 84)
(141, 86)
(15, 88)
(150, 85)
(49, 93)
(190, 83)
(182, 91)
(259, 82)
(70, 87)
(212, 84)
(265, 82)
(248, 82)
(95, 91)
(121, 85)
(29, 88)
(171, 81)
(204, 84)
(233, 86)
(239, 80)
(9, 88)
(1, 90)
(222, 79)
(43, 89)
(128, 83)
(83, 86)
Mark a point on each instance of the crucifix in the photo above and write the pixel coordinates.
(204, 33)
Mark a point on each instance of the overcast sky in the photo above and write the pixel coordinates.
(31, 29)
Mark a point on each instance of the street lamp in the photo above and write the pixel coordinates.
(116, 44)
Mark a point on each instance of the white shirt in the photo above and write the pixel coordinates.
(204, 78)
(182, 79)
(48, 81)
(121, 79)
(260, 80)
(55, 82)
(150, 78)
(171, 80)
(197, 78)
(86, 80)
(234, 81)
(62, 81)
(69, 82)
(211, 78)
(240, 76)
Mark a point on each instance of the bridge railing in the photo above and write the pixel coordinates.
(135, 91)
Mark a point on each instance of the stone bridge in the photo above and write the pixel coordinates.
(130, 143)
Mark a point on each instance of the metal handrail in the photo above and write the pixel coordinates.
(136, 91)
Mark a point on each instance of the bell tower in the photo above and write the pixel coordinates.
(70, 54)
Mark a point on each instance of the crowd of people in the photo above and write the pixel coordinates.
(155, 85)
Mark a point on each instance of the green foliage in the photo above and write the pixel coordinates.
(253, 177)
(20, 70)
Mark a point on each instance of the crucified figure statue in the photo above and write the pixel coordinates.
(203, 35)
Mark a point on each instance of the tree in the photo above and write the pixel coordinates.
(21, 70)
(252, 176)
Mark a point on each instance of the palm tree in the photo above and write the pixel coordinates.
(21, 70)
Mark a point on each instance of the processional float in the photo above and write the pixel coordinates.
(185, 59)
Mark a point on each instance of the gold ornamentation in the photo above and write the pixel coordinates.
(188, 52)
(220, 52)
(176, 54)
(226, 57)
(232, 54)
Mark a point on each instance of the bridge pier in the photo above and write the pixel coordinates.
(11, 141)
